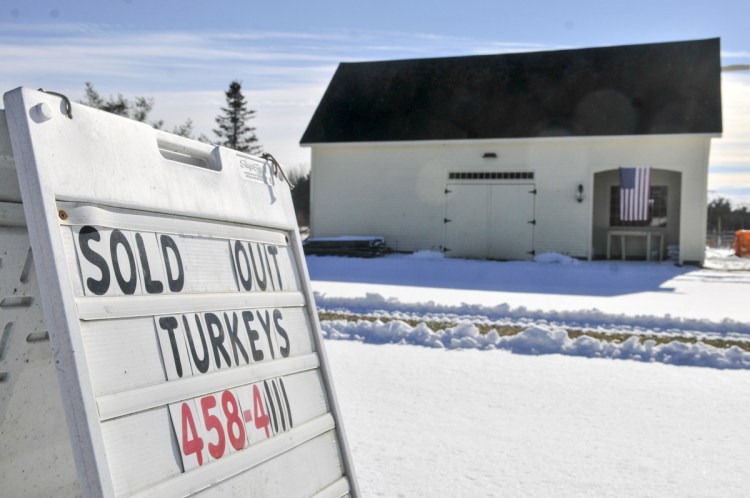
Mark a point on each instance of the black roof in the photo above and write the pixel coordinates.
(625, 90)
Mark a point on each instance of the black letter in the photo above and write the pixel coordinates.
(87, 233)
(252, 334)
(175, 284)
(276, 319)
(261, 283)
(273, 250)
(247, 283)
(169, 323)
(234, 340)
(286, 401)
(217, 340)
(274, 420)
(201, 364)
(152, 286)
(278, 403)
(127, 286)
(267, 328)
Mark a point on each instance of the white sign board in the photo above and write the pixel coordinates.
(179, 310)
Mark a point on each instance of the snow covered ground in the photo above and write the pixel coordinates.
(475, 418)
(425, 422)
(546, 298)
(611, 287)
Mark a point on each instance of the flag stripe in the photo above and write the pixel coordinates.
(635, 186)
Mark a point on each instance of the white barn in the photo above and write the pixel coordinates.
(505, 156)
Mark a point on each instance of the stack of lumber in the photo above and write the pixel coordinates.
(355, 246)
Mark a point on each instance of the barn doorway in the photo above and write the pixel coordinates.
(489, 221)
(656, 238)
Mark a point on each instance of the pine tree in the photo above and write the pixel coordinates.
(234, 131)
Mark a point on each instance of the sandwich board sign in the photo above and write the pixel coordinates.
(178, 351)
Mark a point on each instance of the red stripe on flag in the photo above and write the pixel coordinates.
(634, 200)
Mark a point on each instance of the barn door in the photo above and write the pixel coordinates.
(512, 221)
(489, 221)
(467, 221)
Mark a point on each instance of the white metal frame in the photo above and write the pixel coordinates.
(93, 169)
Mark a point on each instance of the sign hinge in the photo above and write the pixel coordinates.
(448, 191)
(532, 222)
(532, 252)
(446, 220)
(532, 191)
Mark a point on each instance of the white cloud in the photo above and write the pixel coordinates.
(733, 148)
(740, 54)
(280, 120)
(284, 75)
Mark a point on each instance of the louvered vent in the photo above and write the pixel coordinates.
(491, 175)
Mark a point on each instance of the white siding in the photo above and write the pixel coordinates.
(687, 155)
(397, 189)
(394, 191)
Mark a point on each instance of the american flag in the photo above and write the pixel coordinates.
(635, 186)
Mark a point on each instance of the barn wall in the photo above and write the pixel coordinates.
(397, 190)
(687, 155)
(393, 191)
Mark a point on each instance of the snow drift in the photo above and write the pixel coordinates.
(537, 340)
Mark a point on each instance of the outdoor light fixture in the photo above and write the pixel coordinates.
(489, 155)
(579, 193)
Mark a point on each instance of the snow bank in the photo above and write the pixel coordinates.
(724, 259)
(426, 255)
(536, 340)
(590, 318)
(347, 238)
(554, 257)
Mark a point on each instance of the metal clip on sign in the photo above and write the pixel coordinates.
(277, 168)
(66, 100)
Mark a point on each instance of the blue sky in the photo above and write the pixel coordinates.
(184, 54)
